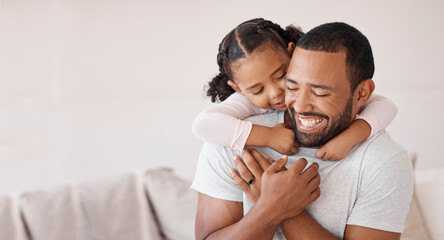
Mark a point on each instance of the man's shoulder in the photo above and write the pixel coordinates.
(383, 147)
(381, 150)
(267, 119)
(216, 153)
(212, 175)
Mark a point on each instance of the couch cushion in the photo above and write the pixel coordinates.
(414, 227)
(53, 214)
(430, 195)
(11, 224)
(114, 208)
(117, 208)
(174, 203)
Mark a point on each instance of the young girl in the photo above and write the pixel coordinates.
(223, 124)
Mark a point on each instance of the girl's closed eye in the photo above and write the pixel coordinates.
(282, 76)
(259, 91)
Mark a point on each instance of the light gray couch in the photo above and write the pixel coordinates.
(154, 205)
(138, 206)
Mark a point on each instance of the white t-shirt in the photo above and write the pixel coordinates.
(371, 187)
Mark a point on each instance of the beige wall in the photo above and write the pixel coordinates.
(90, 88)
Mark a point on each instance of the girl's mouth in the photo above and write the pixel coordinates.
(280, 104)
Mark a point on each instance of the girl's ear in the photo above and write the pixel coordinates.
(290, 48)
(234, 86)
(364, 91)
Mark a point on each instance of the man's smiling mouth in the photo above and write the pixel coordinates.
(310, 122)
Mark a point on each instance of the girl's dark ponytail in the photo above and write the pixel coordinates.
(293, 34)
(218, 88)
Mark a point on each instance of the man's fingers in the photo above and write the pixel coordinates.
(251, 163)
(315, 194)
(243, 170)
(310, 172)
(263, 162)
(314, 183)
(278, 165)
(299, 165)
(239, 181)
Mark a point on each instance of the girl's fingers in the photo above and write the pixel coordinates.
(293, 150)
(320, 153)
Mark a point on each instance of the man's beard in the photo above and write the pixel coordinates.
(338, 124)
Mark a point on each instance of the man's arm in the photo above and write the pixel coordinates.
(222, 219)
(304, 227)
(284, 195)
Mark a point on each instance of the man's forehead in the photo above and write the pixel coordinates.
(317, 65)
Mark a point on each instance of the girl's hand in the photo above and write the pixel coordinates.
(282, 140)
(334, 150)
(339, 147)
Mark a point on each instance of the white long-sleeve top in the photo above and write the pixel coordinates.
(223, 124)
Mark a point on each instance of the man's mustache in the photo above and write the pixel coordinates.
(308, 114)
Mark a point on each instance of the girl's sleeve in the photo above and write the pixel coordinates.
(223, 124)
(378, 112)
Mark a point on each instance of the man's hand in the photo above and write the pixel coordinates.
(252, 170)
(293, 189)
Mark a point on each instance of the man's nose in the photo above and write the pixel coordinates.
(302, 103)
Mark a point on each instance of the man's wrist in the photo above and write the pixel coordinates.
(274, 217)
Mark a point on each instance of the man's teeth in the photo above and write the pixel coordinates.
(310, 123)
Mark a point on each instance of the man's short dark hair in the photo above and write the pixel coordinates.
(337, 36)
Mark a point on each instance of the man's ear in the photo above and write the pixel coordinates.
(234, 86)
(363, 92)
(290, 48)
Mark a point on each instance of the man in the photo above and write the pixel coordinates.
(364, 196)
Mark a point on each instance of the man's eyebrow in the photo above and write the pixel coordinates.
(290, 80)
(320, 86)
(251, 87)
(311, 84)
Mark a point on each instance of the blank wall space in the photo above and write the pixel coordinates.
(94, 88)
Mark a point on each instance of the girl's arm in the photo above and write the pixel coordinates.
(378, 112)
(374, 117)
(223, 125)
